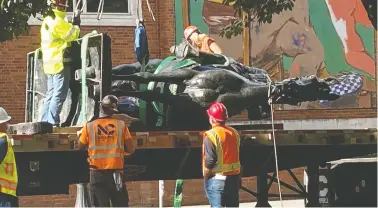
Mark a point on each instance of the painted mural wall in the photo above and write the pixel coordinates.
(318, 37)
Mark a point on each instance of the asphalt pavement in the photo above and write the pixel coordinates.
(275, 204)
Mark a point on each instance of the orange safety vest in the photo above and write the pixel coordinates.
(205, 44)
(106, 143)
(227, 143)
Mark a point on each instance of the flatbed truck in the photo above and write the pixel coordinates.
(49, 162)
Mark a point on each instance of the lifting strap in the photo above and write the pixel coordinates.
(270, 102)
(149, 10)
(177, 198)
(100, 7)
(78, 11)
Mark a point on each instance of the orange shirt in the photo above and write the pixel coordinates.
(227, 143)
(106, 138)
(205, 42)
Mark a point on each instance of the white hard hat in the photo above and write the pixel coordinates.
(4, 116)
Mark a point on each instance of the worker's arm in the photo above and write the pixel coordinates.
(66, 31)
(214, 46)
(129, 145)
(3, 148)
(83, 139)
(210, 157)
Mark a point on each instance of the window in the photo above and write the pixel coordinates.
(115, 12)
(112, 6)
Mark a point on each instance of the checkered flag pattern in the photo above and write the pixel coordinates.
(348, 84)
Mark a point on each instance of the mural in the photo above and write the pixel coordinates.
(318, 37)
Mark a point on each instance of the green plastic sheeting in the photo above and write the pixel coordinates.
(159, 107)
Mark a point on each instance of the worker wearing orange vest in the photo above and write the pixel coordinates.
(107, 140)
(201, 41)
(221, 164)
(8, 168)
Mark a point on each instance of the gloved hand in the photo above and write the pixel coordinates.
(78, 133)
(69, 19)
(76, 20)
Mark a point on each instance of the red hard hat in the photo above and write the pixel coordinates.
(189, 31)
(217, 111)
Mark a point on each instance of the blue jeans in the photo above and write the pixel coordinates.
(8, 200)
(223, 193)
(57, 89)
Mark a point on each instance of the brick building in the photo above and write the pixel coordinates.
(161, 34)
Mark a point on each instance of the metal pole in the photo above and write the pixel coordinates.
(161, 193)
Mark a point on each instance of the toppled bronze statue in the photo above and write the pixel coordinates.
(237, 90)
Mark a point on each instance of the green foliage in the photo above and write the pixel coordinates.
(14, 16)
(260, 11)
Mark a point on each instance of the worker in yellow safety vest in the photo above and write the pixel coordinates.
(221, 164)
(8, 169)
(108, 140)
(56, 34)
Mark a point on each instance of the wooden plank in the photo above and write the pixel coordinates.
(185, 13)
(140, 141)
(246, 43)
(67, 130)
(160, 141)
(180, 139)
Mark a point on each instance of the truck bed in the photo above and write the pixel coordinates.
(169, 155)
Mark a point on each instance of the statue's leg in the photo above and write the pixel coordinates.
(173, 77)
(251, 98)
(234, 102)
(126, 69)
(150, 96)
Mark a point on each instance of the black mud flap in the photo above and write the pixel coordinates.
(48, 173)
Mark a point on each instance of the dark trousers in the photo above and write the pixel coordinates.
(8, 200)
(103, 191)
(223, 193)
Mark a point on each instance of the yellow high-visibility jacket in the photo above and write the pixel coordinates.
(8, 170)
(56, 35)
